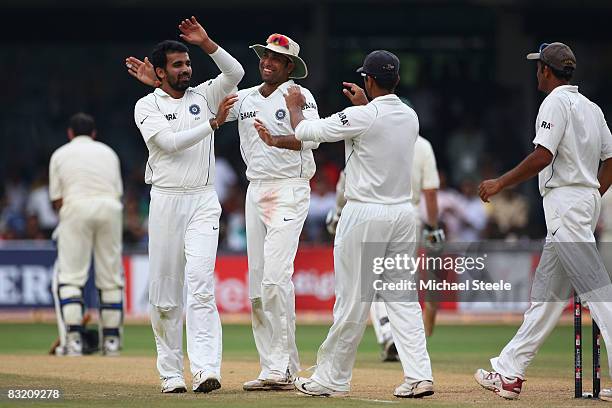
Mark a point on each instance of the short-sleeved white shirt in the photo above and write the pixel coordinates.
(84, 168)
(265, 162)
(424, 170)
(379, 147)
(574, 130)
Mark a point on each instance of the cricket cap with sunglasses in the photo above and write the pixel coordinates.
(282, 44)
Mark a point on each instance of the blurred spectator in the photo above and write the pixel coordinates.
(39, 206)
(605, 231)
(508, 215)
(322, 199)
(134, 226)
(225, 178)
(605, 218)
(449, 208)
(233, 232)
(464, 150)
(32, 229)
(474, 216)
(16, 191)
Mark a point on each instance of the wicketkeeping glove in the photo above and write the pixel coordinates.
(433, 238)
(331, 221)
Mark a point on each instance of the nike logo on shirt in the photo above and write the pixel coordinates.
(144, 119)
(287, 219)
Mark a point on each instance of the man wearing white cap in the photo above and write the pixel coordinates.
(572, 138)
(276, 206)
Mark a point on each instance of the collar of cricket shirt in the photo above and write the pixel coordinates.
(281, 88)
(567, 88)
(82, 138)
(388, 97)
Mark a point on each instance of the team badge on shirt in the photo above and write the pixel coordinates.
(280, 114)
(194, 109)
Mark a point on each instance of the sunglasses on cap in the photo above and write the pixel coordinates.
(278, 39)
(542, 46)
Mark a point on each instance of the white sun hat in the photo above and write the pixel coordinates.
(284, 45)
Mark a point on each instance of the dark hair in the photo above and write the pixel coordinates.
(565, 74)
(158, 55)
(388, 83)
(82, 124)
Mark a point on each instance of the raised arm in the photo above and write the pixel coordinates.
(308, 110)
(347, 124)
(142, 71)
(231, 70)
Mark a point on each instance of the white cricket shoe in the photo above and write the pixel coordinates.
(111, 346)
(271, 383)
(267, 385)
(606, 394)
(310, 387)
(173, 385)
(205, 383)
(505, 387)
(417, 389)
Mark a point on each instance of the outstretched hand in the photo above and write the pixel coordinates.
(294, 98)
(224, 107)
(193, 32)
(488, 189)
(264, 134)
(355, 93)
(142, 71)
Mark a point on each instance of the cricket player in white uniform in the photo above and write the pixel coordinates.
(177, 123)
(425, 180)
(85, 186)
(379, 146)
(572, 138)
(277, 203)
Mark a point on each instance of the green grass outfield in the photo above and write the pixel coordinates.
(453, 349)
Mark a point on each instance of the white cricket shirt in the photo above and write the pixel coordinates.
(195, 166)
(265, 162)
(379, 147)
(574, 130)
(84, 168)
(424, 170)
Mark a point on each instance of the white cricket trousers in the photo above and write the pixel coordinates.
(275, 212)
(183, 237)
(93, 223)
(378, 311)
(393, 228)
(86, 225)
(571, 216)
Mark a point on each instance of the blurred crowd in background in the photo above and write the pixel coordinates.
(26, 212)
(466, 78)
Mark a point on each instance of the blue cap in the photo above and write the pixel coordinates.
(380, 63)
